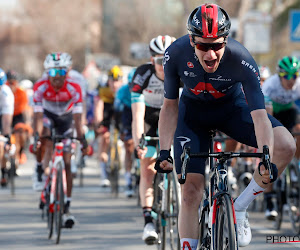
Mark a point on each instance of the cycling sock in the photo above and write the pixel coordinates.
(39, 166)
(188, 244)
(247, 196)
(147, 214)
(128, 179)
(103, 170)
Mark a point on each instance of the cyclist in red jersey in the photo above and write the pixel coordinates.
(57, 102)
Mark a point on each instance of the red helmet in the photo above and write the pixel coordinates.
(208, 21)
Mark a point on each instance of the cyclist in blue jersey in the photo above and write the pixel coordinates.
(122, 104)
(147, 96)
(213, 67)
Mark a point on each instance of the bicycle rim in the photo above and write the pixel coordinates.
(59, 203)
(225, 233)
(50, 215)
(293, 196)
(173, 206)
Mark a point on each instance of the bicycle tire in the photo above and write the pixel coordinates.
(59, 203)
(81, 166)
(50, 215)
(293, 196)
(225, 239)
(173, 205)
(204, 234)
(157, 215)
(12, 172)
(279, 202)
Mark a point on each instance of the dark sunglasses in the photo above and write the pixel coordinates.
(53, 72)
(289, 76)
(207, 46)
(159, 60)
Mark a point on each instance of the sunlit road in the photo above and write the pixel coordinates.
(102, 222)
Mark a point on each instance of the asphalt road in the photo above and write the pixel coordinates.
(102, 222)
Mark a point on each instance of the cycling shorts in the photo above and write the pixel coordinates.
(196, 119)
(289, 118)
(17, 119)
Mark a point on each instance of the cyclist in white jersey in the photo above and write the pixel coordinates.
(283, 89)
(6, 111)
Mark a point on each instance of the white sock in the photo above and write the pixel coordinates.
(188, 244)
(128, 178)
(69, 199)
(103, 170)
(247, 196)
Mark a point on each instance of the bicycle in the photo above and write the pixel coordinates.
(287, 192)
(55, 189)
(166, 205)
(10, 164)
(217, 224)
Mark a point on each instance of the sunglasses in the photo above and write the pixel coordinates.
(53, 72)
(289, 76)
(159, 60)
(207, 46)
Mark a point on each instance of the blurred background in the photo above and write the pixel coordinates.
(101, 33)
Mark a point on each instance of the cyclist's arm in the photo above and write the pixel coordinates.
(78, 124)
(38, 122)
(6, 123)
(98, 111)
(263, 130)
(138, 116)
(167, 123)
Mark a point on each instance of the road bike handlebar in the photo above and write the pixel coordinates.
(146, 138)
(224, 156)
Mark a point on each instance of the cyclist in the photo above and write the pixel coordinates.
(21, 128)
(123, 104)
(6, 115)
(283, 89)
(213, 67)
(58, 102)
(104, 113)
(146, 101)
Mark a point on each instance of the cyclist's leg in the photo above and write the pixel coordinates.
(103, 156)
(3, 165)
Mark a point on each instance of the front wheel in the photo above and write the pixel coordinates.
(59, 204)
(225, 235)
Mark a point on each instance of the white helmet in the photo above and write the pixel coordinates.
(58, 59)
(26, 84)
(264, 72)
(159, 44)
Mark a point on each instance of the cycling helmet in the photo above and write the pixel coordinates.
(159, 44)
(26, 84)
(11, 75)
(3, 78)
(208, 21)
(264, 72)
(130, 75)
(58, 59)
(115, 73)
(289, 65)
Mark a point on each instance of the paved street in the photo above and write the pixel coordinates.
(103, 222)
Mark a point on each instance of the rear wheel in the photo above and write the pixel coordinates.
(204, 235)
(160, 221)
(280, 183)
(225, 233)
(293, 195)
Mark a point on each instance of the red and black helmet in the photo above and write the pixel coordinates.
(208, 21)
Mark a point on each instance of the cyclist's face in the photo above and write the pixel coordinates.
(288, 84)
(157, 62)
(114, 85)
(58, 78)
(210, 59)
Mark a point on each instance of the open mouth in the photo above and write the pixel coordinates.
(210, 64)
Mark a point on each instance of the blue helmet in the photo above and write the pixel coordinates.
(3, 78)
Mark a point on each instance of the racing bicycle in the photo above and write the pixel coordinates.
(218, 229)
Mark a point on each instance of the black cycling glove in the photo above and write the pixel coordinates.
(274, 169)
(163, 155)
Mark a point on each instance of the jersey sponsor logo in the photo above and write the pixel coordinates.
(219, 78)
(248, 65)
(190, 65)
(189, 74)
(186, 246)
(136, 88)
(166, 57)
(203, 87)
(140, 79)
(183, 140)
